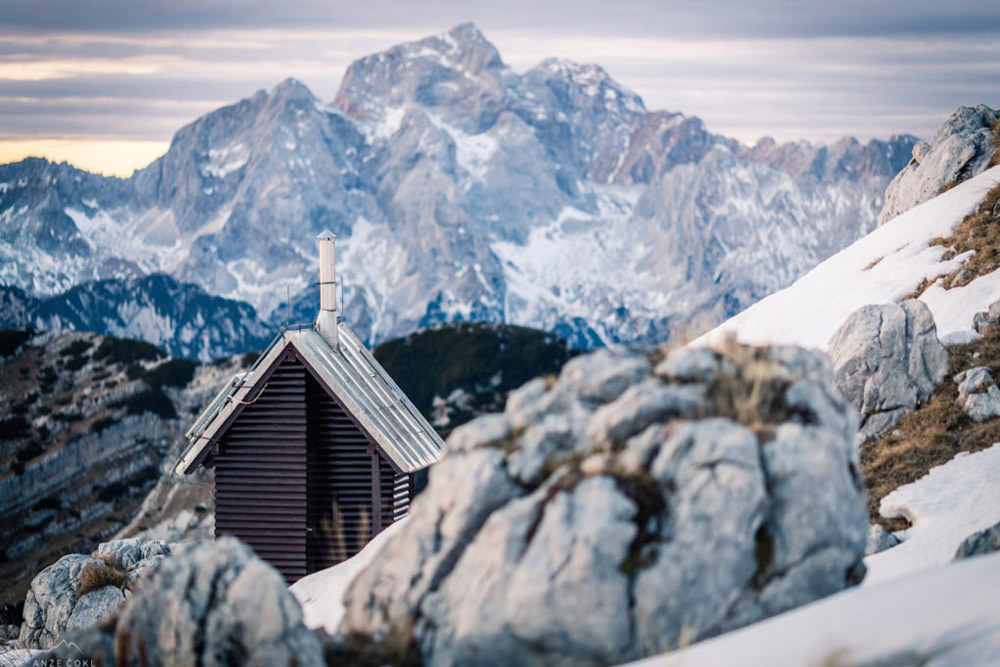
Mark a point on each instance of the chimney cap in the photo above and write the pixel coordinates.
(326, 235)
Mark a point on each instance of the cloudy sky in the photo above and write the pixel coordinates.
(106, 83)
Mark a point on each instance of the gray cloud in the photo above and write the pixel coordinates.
(788, 69)
(677, 18)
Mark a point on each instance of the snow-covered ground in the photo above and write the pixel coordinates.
(882, 267)
(321, 593)
(947, 505)
(947, 616)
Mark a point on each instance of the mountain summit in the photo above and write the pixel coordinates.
(460, 190)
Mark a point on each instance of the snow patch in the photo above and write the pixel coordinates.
(321, 594)
(224, 161)
(946, 505)
(472, 151)
(950, 613)
(882, 267)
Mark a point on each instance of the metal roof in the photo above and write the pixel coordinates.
(352, 375)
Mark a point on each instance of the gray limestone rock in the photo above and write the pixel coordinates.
(215, 604)
(960, 149)
(879, 539)
(978, 393)
(982, 321)
(209, 604)
(132, 552)
(53, 605)
(984, 542)
(887, 359)
(600, 525)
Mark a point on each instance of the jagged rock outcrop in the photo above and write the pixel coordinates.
(978, 393)
(984, 542)
(212, 604)
(887, 360)
(626, 507)
(68, 594)
(180, 318)
(960, 149)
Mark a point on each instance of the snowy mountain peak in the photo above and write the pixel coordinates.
(457, 69)
(589, 81)
(461, 190)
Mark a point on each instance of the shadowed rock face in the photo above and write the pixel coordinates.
(213, 604)
(624, 508)
(960, 149)
(887, 360)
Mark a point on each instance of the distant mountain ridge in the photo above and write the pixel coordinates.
(461, 190)
(182, 319)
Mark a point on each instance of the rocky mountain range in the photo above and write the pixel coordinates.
(461, 190)
(181, 318)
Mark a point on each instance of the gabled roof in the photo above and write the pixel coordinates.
(350, 374)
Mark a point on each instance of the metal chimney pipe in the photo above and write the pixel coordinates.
(326, 321)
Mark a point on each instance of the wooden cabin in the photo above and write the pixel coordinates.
(315, 448)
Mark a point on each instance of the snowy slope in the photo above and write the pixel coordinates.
(950, 614)
(947, 505)
(882, 267)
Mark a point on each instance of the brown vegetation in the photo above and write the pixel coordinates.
(933, 434)
(978, 232)
(747, 390)
(95, 576)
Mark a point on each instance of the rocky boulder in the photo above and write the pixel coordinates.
(78, 591)
(629, 506)
(212, 604)
(984, 542)
(887, 360)
(984, 320)
(960, 149)
(978, 393)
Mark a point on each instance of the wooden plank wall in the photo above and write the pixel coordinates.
(297, 480)
(341, 483)
(260, 473)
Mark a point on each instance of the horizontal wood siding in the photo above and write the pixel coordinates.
(260, 473)
(402, 493)
(340, 515)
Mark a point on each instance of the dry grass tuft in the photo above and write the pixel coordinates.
(949, 185)
(398, 647)
(747, 391)
(95, 576)
(978, 232)
(109, 560)
(874, 263)
(933, 434)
